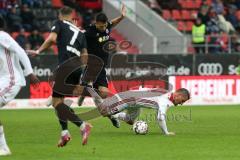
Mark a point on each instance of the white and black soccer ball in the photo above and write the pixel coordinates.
(140, 127)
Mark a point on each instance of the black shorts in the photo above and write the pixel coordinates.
(72, 79)
(101, 80)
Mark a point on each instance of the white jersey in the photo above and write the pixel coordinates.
(161, 103)
(11, 54)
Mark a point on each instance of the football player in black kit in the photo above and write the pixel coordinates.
(98, 35)
(71, 42)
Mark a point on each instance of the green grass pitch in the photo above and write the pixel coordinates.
(202, 133)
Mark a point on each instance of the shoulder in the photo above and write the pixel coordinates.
(109, 24)
(163, 100)
(5, 35)
(56, 24)
(91, 30)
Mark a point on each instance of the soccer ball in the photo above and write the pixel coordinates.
(140, 127)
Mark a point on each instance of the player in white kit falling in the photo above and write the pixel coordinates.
(11, 75)
(160, 103)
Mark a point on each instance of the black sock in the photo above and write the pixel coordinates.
(66, 113)
(64, 124)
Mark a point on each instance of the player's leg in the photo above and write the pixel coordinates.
(102, 85)
(129, 116)
(65, 113)
(104, 92)
(4, 149)
(80, 100)
(5, 97)
(65, 135)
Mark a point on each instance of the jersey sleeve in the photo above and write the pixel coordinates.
(10, 44)
(162, 113)
(56, 27)
(110, 25)
(6, 41)
(161, 117)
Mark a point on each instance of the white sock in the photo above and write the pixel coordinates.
(82, 126)
(3, 142)
(122, 116)
(64, 132)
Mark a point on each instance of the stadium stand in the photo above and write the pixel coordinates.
(221, 18)
(26, 16)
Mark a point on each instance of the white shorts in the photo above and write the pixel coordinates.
(133, 113)
(8, 92)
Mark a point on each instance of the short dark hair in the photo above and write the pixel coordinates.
(101, 17)
(184, 91)
(65, 10)
(2, 22)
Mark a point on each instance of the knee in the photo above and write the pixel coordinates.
(57, 101)
(103, 92)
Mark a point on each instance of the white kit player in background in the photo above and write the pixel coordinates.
(160, 103)
(11, 75)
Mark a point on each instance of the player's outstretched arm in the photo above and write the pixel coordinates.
(119, 19)
(28, 71)
(46, 44)
(163, 125)
(84, 56)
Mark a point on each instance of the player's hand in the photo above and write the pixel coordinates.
(170, 134)
(124, 11)
(32, 52)
(34, 80)
(75, 22)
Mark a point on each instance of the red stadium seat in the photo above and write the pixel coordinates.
(57, 3)
(187, 4)
(197, 4)
(176, 14)
(186, 15)
(166, 14)
(181, 26)
(189, 25)
(209, 2)
(91, 4)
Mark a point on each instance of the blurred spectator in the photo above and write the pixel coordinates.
(213, 30)
(203, 14)
(213, 25)
(153, 4)
(217, 6)
(74, 4)
(88, 18)
(22, 39)
(237, 3)
(198, 36)
(14, 20)
(27, 17)
(35, 39)
(33, 3)
(231, 15)
(28, 46)
(214, 43)
(3, 7)
(224, 25)
(169, 4)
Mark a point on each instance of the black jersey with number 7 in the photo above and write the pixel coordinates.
(70, 40)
